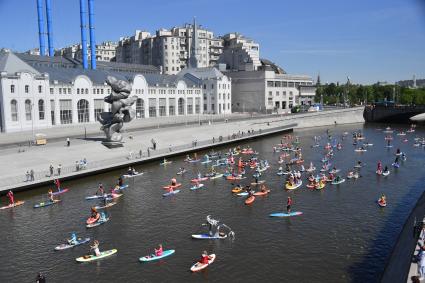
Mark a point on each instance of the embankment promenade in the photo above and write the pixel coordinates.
(174, 139)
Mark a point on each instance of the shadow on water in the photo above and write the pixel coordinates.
(396, 237)
(94, 139)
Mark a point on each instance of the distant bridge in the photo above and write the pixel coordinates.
(392, 113)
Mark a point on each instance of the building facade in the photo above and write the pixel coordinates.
(42, 92)
(171, 49)
(216, 89)
(270, 89)
(106, 51)
(240, 53)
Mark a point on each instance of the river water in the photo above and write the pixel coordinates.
(343, 236)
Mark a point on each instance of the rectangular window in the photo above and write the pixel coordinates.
(52, 111)
(205, 107)
(277, 84)
(12, 88)
(162, 107)
(171, 106)
(190, 105)
(285, 84)
(51, 90)
(40, 89)
(65, 111)
(152, 107)
(270, 93)
(197, 105)
(98, 108)
(270, 83)
(290, 84)
(60, 91)
(27, 88)
(277, 93)
(283, 104)
(69, 90)
(213, 108)
(270, 101)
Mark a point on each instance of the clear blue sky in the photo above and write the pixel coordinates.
(369, 40)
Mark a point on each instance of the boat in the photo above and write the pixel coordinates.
(381, 203)
(219, 236)
(250, 200)
(97, 223)
(47, 203)
(154, 257)
(237, 190)
(195, 187)
(171, 193)
(135, 174)
(283, 214)
(199, 266)
(334, 182)
(60, 192)
(17, 203)
(103, 254)
(80, 241)
(294, 186)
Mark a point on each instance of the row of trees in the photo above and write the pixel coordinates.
(360, 94)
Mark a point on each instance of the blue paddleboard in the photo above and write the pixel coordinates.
(153, 257)
(283, 214)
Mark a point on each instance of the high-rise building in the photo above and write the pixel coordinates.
(172, 49)
(104, 51)
(240, 53)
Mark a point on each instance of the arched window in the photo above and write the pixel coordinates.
(78, 91)
(83, 111)
(180, 106)
(140, 108)
(87, 91)
(41, 109)
(14, 110)
(28, 110)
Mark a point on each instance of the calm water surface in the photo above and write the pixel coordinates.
(341, 237)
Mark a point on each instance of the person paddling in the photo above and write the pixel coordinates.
(50, 194)
(100, 190)
(11, 197)
(204, 258)
(159, 251)
(73, 240)
(95, 248)
(288, 205)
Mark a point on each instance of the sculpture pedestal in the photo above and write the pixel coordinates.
(112, 144)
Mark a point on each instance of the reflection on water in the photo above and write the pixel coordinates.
(342, 235)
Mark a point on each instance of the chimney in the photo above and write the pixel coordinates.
(41, 28)
(83, 24)
(49, 27)
(92, 38)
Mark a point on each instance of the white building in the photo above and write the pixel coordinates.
(270, 89)
(41, 92)
(104, 52)
(171, 49)
(216, 88)
(240, 53)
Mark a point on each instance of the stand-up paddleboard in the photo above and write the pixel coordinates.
(199, 266)
(338, 182)
(172, 186)
(165, 163)
(283, 214)
(206, 161)
(94, 197)
(216, 176)
(199, 179)
(105, 206)
(128, 176)
(97, 223)
(154, 257)
(381, 204)
(250, 200)
(80, 241)
(17, 203)
(396, 165)
(181, 172)
(386, 173)
(294, 186)
(121, 188)
(196, 187)
(114, 196)
(259, 183)
(170, 193)
(243, 194)
(208, 236)
(47, 203)
(60, 192)
(103, 254)
(262, 193)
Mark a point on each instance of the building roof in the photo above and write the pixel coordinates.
(197, 75)
(65, 70)
(268, 65)
(10, 63)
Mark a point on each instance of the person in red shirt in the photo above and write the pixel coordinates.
(288, 205)
(158, 252)
(205, 258)
(11, 197)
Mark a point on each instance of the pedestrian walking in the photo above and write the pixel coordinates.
(32, 175)
(51, 170)
(27, 176)
(77, 166)
(59, 169)
(68, 142)
(140, 153)
(149, 152)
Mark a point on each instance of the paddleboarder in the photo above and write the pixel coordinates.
(11, 197)
(95, 248)
(288, 205)
(159, 251)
